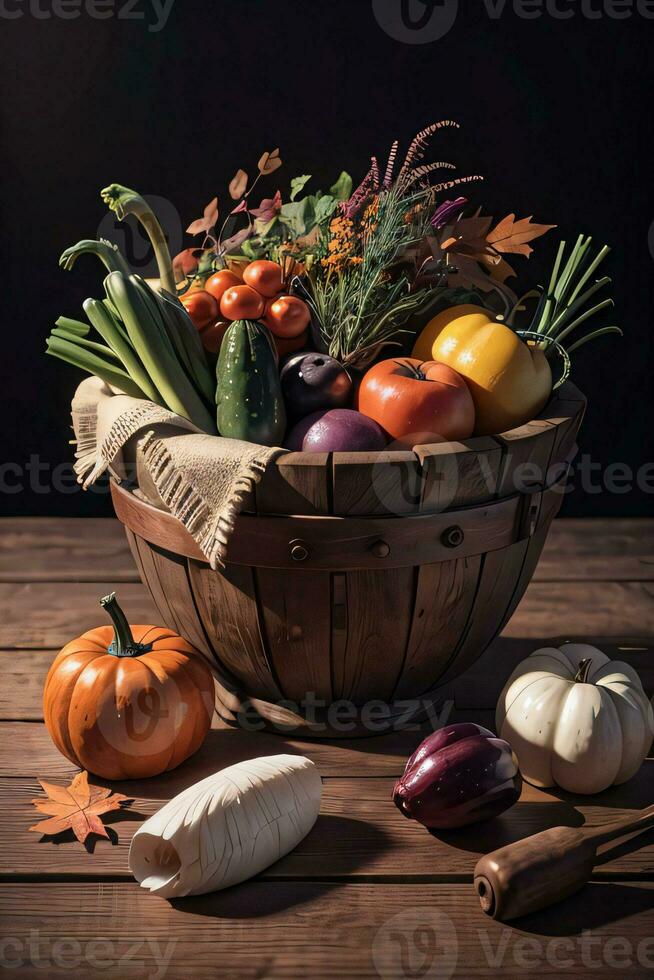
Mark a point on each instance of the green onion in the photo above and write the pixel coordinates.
(106, 327)
(92, 364)
(564, 307)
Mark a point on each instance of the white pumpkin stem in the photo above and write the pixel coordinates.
(581, 677)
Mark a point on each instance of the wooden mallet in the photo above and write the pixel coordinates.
(538, 871)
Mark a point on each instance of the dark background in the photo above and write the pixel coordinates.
(556, 114)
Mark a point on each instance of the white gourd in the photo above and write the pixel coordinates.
(228, 827)
(582, 735)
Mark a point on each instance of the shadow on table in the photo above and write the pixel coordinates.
(226, 747)
(291, 879)
(597, 904)
(521, 821)
(637, 794)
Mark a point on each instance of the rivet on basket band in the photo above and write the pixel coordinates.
(299, 551)
(380, 549)
(453, 537)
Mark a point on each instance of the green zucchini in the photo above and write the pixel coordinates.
(248, 390)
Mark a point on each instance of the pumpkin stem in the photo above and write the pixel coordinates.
(124, 644)
(581, 677)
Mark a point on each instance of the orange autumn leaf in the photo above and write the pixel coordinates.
(76, 807)
(512, 236)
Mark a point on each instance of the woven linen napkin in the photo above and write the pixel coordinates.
(203, 480)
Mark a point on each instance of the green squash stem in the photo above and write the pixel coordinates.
(124, 644)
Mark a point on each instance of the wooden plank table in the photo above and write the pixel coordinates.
(367, 894)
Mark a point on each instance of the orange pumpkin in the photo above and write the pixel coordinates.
(130, 701)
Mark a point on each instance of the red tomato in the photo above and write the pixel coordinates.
(264, 276)
(417, 402)
(287, 345)
(201, 307)
(212, 337)
(242, 303)
(220, 282)
(287, 316)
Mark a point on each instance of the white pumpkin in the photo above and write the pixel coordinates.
(228, 827)
(575, 719)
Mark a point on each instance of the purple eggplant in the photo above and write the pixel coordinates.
(458, 776)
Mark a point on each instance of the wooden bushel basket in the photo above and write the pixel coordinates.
(359, 584)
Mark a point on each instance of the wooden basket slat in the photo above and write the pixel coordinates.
(299, 483)
(458, 474)
(295, 617)
(379, 609)
(375, 484)
(454, 475)
(502, 582)
(227, 605)
(444, 599)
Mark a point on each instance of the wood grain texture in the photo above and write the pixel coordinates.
(376, 483)
(378, 611)
(504, 575)
(384, 755)
(23, 677)
(43, 614)
(295, 615)
(299, 483)
(526, 456)
(360, 833)
(458, 474)
(35, 549)
(445, 594)
(498, 574)
(288, 930)
(64, 549)
(602, 549)
(226, 602)
(169, 584)
(478, 689)
(337, 543)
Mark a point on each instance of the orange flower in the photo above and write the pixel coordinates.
(341, 244)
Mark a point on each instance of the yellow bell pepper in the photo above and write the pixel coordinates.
(510, 380)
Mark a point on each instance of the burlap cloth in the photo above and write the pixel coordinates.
(202, 479)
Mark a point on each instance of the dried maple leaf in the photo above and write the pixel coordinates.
(238, 185)
(207, 222)
(512, 236)
(269, 207)
(269, 162)
(76, 807)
